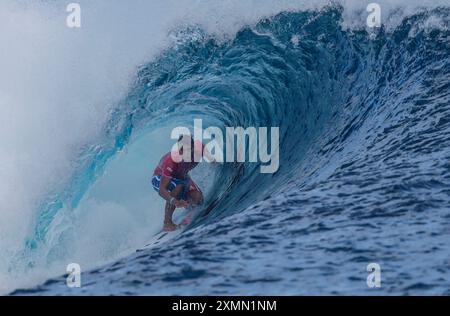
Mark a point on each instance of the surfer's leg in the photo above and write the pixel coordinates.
(168, 223)
(195, 198)
(195, 195)
(170, 209)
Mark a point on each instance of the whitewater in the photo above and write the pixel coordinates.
(364, 117)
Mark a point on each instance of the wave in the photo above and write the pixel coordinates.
(365, 110)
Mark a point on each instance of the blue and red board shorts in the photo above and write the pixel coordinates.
(188, 186)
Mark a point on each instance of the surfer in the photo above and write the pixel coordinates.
(172, 181)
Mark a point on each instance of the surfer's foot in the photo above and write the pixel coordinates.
(170, 227)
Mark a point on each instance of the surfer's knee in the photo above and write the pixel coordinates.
(196, 197)
(177, 191)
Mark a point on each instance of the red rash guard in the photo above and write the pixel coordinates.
(171, 169)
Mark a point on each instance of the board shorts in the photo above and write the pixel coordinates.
(189, 186)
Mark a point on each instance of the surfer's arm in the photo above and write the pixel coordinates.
(166, 194)
(163, 189)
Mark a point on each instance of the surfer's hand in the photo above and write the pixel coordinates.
(181, 204)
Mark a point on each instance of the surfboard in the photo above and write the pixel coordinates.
(184, 219)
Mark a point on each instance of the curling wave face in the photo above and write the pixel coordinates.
(364, 121)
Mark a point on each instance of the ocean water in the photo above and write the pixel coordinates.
(364, 117)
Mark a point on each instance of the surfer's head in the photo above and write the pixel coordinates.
(186, 142)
